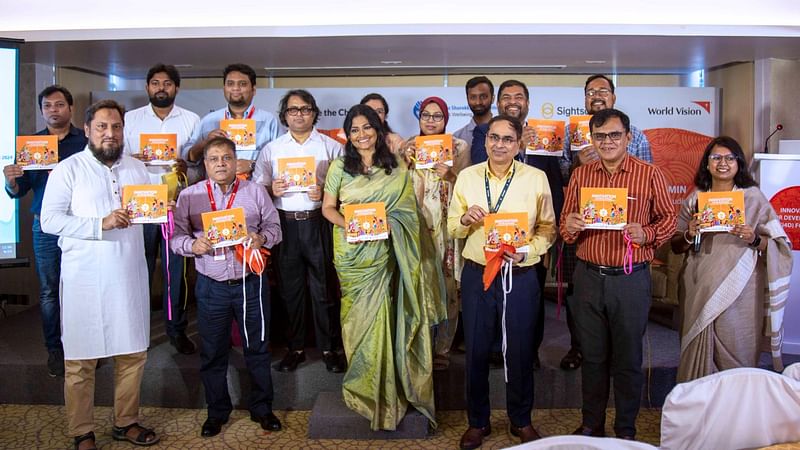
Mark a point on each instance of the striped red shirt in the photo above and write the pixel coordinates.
(649, 204)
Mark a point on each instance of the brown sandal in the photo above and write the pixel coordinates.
(85, 437)
(121, 434)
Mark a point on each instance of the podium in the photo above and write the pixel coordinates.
(777, 175)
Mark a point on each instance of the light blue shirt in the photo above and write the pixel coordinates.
(267, 129)
(639, 147)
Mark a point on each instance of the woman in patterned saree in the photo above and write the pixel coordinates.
(387, 312)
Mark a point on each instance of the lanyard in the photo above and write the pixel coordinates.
(502, 193)
(230, 200)
(248, 113)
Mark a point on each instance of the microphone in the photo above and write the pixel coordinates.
(778, 127)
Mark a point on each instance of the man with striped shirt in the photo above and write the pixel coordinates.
(611, 300)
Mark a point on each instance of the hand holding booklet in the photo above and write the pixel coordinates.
(720, 211)
(433, 149)
(145, 203)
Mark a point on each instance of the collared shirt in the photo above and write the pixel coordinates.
(649, 204)
(465, 133)
(74, 142)
(639, 147)
(528, 192)
(180, 121)
(321, 147)
(267, 129)
(260, 216)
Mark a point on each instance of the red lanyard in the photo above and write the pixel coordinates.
(230, 200)
(248, 113)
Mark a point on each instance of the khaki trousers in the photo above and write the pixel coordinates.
(79, 379)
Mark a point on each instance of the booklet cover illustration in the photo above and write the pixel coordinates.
(433, 149)
(604, 208)
(225, 228)
(579, 135)
(548, 139)
(720, 211)
(145, 203)
(37, 152)
(298, 173)
(506, 228)
(159, 148)
(366, 222)
(241, 131)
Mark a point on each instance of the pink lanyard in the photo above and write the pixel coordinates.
(627, 261)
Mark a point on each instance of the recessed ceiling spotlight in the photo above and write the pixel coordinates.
(183, 66)
(595, 61)
(395, 62)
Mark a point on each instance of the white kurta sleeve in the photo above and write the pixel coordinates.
(57, 218)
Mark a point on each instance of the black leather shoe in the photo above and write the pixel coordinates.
(183, 344)
(626, 437)
(55, 363)
(583, 430)
(526, 433)
(333, 363)
(268, 421)
(291, 360)
(212, 426)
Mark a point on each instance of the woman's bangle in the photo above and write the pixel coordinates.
(686, 238)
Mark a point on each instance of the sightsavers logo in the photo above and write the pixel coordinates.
(549, 110)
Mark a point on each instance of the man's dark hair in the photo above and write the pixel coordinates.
(597, 76)
(242, 68)
(103, 104)
(50, 90)
(515, 124)
(219, 141)
(305, 96)
(742, 179)
(474, 81)
(601, 117)
(509, 83)
(379, 97)
(168, 69)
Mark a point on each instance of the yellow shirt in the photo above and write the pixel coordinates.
(528, 192)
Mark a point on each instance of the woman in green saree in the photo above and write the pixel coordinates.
(386, 312)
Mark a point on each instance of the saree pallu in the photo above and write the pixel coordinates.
(386, 310)
(732, 296)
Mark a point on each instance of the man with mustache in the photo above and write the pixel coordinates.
(480, 96)
(239, 89)
(105, 307)
(55, 104)
(162, 115)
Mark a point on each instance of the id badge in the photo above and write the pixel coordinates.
(219, 254)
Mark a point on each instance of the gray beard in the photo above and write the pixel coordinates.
(106, 156)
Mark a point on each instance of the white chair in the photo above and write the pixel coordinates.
(733, 409)
(583, 443)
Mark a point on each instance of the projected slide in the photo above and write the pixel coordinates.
(8, 130)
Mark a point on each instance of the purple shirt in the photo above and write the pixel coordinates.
(260, 216)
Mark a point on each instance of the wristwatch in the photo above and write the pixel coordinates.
(756, 242)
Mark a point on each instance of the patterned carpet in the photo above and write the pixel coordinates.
(42, 427)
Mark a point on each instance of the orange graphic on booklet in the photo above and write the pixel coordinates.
(548, 139)
(509, 228)
(37, 152)
(298, 173)
(241, 131)
(225, 228)
(365, 222)
(145, 203)
(604, 208)
(159, 148)
(433, 149)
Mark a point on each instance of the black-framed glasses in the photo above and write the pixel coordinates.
(717, 158)
(495, 138)
(305, 110)
(614, 136)
(602, 92)
(427, 117)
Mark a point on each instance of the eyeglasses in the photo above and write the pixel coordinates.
(717, 158)
(305, 110)
(427, 117)
(615, 136)
(495, 138)
(215, 159)
(602, 92)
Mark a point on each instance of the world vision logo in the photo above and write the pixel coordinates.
(547, 110)
(704, 105)
(681, 110)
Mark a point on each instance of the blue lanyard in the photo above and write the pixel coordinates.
(502, 193)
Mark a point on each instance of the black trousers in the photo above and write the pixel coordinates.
(611, 316)
(482, 314)
(218, 304)
(538, 333)
(304, 255)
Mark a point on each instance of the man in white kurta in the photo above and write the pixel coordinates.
(104, 295)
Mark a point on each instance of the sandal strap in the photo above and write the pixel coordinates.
(84, 437)
(141, 437)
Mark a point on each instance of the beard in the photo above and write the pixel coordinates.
(480, 110)
(106, 155)
(161, 101)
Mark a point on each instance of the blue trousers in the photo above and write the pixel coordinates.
(153, 244)
(482, 317)
(218, 304)
(48, 268)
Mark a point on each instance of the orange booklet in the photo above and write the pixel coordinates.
(225, 228)
(579, 135)
(145, 203)
(159, 148)
(298, 173)
(604, 208)
(720, 211)
(506, 228)
(549, 137)
(432, 149)
(37, 152)
(366, 222)
(241, 131)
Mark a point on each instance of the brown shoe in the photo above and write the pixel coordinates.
(583, 430)
(526, 433)
(473, 437)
